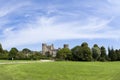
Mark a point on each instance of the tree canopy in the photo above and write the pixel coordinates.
(78, 53)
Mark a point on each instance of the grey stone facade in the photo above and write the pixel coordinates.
(49, 49)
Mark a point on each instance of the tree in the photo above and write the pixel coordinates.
(21, 56)
(112, 55)
(3, 53)
(82, 53)
(26, 53)
(84, 44)
(109, 53)
(26, 50)
(12, 54)
(77, 53)
(118, 54)
(36, 56)
(103, 56)
(1, 49)
(96, 52)
(64, 54)
(87, 54)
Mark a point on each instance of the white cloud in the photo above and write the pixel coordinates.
(10, 7)
(114, 2)
(112, 8)
(62, 25)
(45, 29)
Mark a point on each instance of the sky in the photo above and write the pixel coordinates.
(29, 23)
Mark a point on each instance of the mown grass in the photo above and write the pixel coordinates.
(5, 61)
(61, 71)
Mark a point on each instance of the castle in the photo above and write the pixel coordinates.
(50, 50)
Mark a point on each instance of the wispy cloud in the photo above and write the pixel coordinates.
(48, 30)
(42, 24)
(10, 7)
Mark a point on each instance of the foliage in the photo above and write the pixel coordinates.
(35, 56)
(3, 53)
(87, 54)
(26, 50)
(1, 49)
(64, 54)
(96, 52)
(78, 53)
(118, 54)
(12, 54)
(103, 56)
(112, 55)
(82, 53)
(84, 44)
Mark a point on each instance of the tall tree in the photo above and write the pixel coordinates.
(87, 54)
(118, 54)
(103, 56)
(109, 53)
(96, 52)
(3, 53)
(112, 55)
(1, 49)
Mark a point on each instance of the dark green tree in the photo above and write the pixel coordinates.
(109, 54)
(112, 55)
(103, 56)
(3, 53)
(13, 53)
(26, 50)
(82, 53)
(77, 53)
(1, 49)
(84, 44)
(87, 54)
(118, 54)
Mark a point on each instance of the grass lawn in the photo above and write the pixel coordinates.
(61, 71)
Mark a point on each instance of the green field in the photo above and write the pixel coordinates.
(60, 71)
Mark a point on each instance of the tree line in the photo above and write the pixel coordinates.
(84, 53)
(78, 53)
(15, 54)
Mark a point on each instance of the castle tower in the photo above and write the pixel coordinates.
(66, 46)
(44, 48)
(52, 46)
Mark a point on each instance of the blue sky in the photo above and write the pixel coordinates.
(28, 23)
